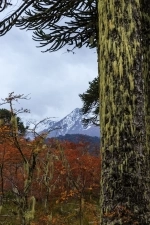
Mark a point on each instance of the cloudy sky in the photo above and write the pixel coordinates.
(53, 80)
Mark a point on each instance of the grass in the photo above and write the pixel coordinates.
(62, 213)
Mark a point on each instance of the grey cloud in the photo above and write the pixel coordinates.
(53, 79)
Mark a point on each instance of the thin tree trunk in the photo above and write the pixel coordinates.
(81, 208)
(125, 158)
(2, 183)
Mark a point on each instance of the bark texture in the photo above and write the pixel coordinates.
(123, 104)
(145, 10)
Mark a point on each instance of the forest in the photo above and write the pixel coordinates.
(48, 181)
(45, 181)
(63, 187)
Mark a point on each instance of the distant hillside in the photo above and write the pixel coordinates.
(92, 143)
(76, 138)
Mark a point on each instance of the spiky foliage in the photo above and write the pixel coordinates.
(125, 158)
(90, 100)
(10, 20)
(57, 23)
(4, 4)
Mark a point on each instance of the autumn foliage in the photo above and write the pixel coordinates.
(64, 173)
(44, 181)
(62, 177)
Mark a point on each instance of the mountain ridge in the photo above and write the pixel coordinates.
(72, 124)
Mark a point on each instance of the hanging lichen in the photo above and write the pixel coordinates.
(1, 207)
(1, 122)
(29, 214)
(26, 175)
(122, 109)
(14, 124)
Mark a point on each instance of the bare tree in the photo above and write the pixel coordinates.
(26, 205)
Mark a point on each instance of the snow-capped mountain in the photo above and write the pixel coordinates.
(71, 124)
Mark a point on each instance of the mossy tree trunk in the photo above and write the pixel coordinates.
(123, 109)
(145, 8)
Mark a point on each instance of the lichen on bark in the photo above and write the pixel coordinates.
(123, 102)
(145, 8)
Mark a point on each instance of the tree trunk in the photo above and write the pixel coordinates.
(2, 183)
(145, 10)
(123, 104)
(81, 208)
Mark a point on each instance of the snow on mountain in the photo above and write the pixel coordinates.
(71, 124)
(37, 127)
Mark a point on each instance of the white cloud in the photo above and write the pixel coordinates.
(53, 79)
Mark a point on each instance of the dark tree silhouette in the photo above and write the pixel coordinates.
(4, 4)
(57, 23)
(90, 100)
(5, 116)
